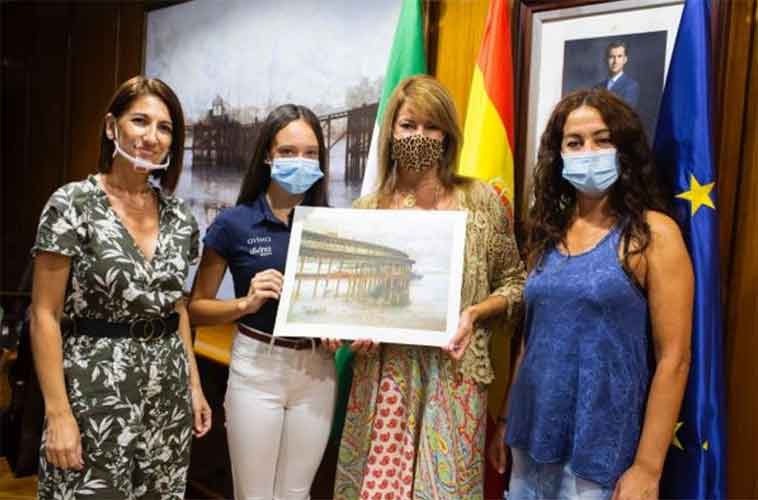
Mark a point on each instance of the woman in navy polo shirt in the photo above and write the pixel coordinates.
(280, 398)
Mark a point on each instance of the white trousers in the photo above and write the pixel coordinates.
(279, 407)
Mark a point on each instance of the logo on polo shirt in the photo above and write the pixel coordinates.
(260, 246)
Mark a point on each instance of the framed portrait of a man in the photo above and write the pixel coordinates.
(624, 46)
(631, 66)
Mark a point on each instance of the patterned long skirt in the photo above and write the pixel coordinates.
(414, 428)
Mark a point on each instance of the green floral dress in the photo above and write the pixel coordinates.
(130, 397)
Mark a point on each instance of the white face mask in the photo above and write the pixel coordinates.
(140, 164)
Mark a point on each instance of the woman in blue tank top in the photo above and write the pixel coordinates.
(606, 349)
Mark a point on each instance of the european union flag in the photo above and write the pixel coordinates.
(696, 463)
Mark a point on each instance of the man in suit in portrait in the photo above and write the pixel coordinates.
(618, 82)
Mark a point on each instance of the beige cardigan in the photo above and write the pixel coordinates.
(492, 266)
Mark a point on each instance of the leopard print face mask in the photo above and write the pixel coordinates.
(417, 152)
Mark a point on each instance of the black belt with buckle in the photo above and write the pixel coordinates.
(143, 329)
(297, 344)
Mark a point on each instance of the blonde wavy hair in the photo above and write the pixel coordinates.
(430, 99)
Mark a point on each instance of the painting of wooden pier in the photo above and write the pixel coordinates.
(389, 275)
(230, 67)
(367, 272)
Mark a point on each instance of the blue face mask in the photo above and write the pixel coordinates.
(295, 175)
(591, 173)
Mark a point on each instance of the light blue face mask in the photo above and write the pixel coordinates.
(295, 175)
(591, 173)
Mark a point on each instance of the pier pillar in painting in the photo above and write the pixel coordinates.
(355, 270)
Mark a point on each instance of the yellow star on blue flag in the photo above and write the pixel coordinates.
(676, 441)
(696, 463)
(698, 195)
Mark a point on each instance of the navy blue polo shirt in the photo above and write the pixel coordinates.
(251, 239)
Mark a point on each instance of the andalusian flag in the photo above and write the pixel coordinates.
(406, 59)
(487, 154)
(487, 151)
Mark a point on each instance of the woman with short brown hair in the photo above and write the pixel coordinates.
(121, 387)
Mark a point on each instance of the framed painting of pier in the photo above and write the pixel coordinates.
(387, 275)
(233, 62)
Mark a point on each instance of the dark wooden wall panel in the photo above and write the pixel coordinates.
(15, 90)
(93, 72)
(61, 61)
(131, 35)
(729, 121)
(34, 94)
(47, 146)
(742, 309)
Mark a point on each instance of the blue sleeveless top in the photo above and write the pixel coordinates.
(580, 393)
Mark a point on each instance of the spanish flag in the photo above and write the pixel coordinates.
(487, 151)
(487, 154)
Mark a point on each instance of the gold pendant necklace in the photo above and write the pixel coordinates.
(408, 199)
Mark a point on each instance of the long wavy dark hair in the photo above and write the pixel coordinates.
(638, 188)
(258, 175)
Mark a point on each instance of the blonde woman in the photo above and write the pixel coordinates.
(415, 419)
